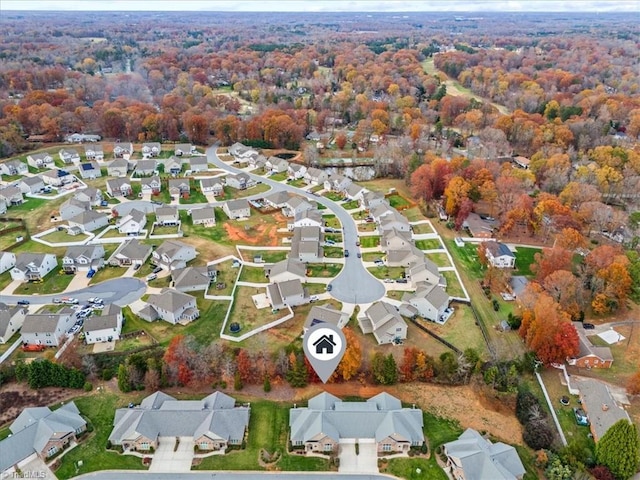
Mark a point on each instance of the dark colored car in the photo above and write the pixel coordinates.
(588, 326)
(23, 302)
(157, 270)
(346, 253)
(329, 288)
(359, 255)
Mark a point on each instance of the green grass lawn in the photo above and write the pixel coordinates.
(5, 346)
(259, 188)
(195, 195)
(524, 259)
(227, 275)
(99, 409)
(429, 244)
(366, 227)
(333, 252)
(422, 228)
(370, 241)
(336, 197)
(106, 273)
(206, 329)
(268, 256)
(313, 288)
(60, 236)
(440, 259)
(467, 258)
(453, 285)
(324, 270)
(398, 201)
(279, 177)
(359, 215)
(413, 214)
(165, 230)
(216, 234)
(28, 205)
(335, 237)
(5, 279)
(246, 314)
(253, 275)
(54, 282)
(331, 221)
(372, 256)
(386, 272)
(9, 238)
(297, 183)
(350, 205)
(268, 426)
(461, 330)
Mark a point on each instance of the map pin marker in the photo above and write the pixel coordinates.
(324, 345)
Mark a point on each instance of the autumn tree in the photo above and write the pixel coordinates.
(350, 363)
(633, 385)
(456, 192)
(550, 260)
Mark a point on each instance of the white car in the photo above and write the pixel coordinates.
(389, 280)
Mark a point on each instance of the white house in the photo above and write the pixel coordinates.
(150, 185)
(296, 171)
(133, 223)
(499, 255)
(73, 207)
(315, 176)
(11, 319)
(57, 177)
(47, 329)
(325, 314)
(30, 185)
(119, 187)
(105, 327)
(130, 252)
(182, 149)
(40, 160)
(213, 186)
(239, 181)
(94, 152)
(89, 221)
(118, 168)
(288, 293)
(204, 216)
(11, 195)
(287, 269)
(82, 258)
(307, 218)
(123, 150)
(90, 170)
(237, 209)
(91, 195)
(431, 301)
(276, 165)
(145, 168)
(69, 155)
(33, 266)
(13, 168)
(7, 261)
(151, 149)
(173, 254)
(383, 320)
(167, 215)
(171, 306)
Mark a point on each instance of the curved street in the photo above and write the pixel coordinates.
(121, 291)
(232, 475)
(354, 284)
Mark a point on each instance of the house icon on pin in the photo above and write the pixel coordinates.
(324, 344)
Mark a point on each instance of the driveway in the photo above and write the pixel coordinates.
(366, 461)
(354, 283)
(165, 459)
(36, 468)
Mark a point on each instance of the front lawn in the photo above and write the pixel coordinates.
(324, 270)
(259, 188)
(298, 183)
(54, 282)
(107, 273)
(429, 244)
(350, 205)
(333, 252)
(279, 177)
(524, 260)
(370, 241)
(336, 197)
(313, 288)
(383, 272)
(366, 227)
(195, 195)
(331, 221)
(99, 409)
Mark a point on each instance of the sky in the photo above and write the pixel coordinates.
(631, 6)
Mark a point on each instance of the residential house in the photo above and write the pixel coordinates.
(307, 218)
(381, 210)
(319, 427)
(94, 152)
(589, 355)
(600, 405)
(521, 162)
(82, 258)
(295, 205)
(288, 293)
(123, 150)
(11, 319)
(171, 306)
(167, 215)
(403, 257)
(499, 255)
(151, 149)
(69, 156)
(173, 254)
(105, 327)
(48, 329)
(191, 279)
(394, 221)
(213, 423)
(31, 185)
(82, 137)
(89, 221)
(7, 261)
(430, 300)
(118, 168)
(474, 457)
(11, 195)
(371, 200)
(296, 171)
(306, 244)
(33, 266)
(204, 216)
(198, 164)
(172, 166)
(238, 181)
(3, 206)
(237, 209)
(132, 223)
(337, 183)
(213, 186)
(179, 187)
(354, 192)
(238, 150)
(130, 252)
(383, 320)
(150, 185)
(90, 170)
(325, 314)
(287, 269)
(40, 160)
(13, 168)
(258, 161)
(145, 168)
(182, 149)
(73, 207)
(119, 187)
(91, 195)
(39, 432)
(395, 240)
(425, 271)
(278, 199)
(276, 165)
(315, 176)
(478, 227)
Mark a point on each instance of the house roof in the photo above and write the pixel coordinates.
(167, 211)
(323, 314)
(76, 202)
(200, 161)
(183, 147)
(146, 165)
(290, 288)
(170, 300)
(178, 183)
(86, 217)
(423, 265)
(296, 202)
(190, 277)
(43, 323)
(89, 251)
(311, 214)
(118, 183)
(171, 247)
(89, 192)
(119, 163)
(133, 249)
(239, 204)
(101, 322)
(377, 418)
(31, 181)
(278, 198)
(480, 459)
(498, 249)
(155, 179)
(588, 349)
(600, 405)
(290, 265)
(25, 259)
(210, 182)
(6, 314)
(87, 166)
(205, 213)
(409, 255)
(381, 313)
(134, 215)
(273, 292)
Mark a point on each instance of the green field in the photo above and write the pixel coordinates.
(268, 256)
(61, 236)
(333, 252)
(370, 241)
(453, 285)
(351, 205)
(429, 244)
(398, 201)
(422, 228)
(324, 270)
(386, 272)
(440, 259)
(524, 260)
(253, 275)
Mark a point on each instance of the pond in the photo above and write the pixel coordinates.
(286, 156)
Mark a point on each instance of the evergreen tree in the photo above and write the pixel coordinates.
(123, 378)
(619, 449)
(377, 367)
(390, 370)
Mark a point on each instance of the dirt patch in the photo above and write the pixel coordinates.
(15, 397)
(208, 250)
(260, 233)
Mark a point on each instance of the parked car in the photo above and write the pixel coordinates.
(379, 262)
(401, 280)
(358, 243)
(91, 273)
(136, 266)
(157, 270)
(388, 280)
(57, 300)
(588, 326)
(23, 302)
(329, 287)
(581, 417)
(369, 220)
(153, 276)
(359, 255)
(346, 253)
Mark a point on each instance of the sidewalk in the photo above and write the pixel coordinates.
(8, 290)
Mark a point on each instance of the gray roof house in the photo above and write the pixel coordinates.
(171, 306)
(40, 160)
(151, 185)
(395, 240)
(239, 150)
(172, 165)
(48, 329)
(276, 165)
(278, 199)
(319, 427)
(394, 220)
(315, 176)
(306, 244)
(179, 186)
(237, 209)
(182, 149)
(472, 457)
(204, 216)
(89, 221)
(119, 187)
(288, 293)
(296, 205)
(354, 192)
(31, 184)
(326, 314)
(69, 155)
(129, 253)
(144, 168)
(11, 195)
(118, 168)
(296, 171)
(307, 218)
(383, 320)
(13, 167)
(7, 261)
(198, 164)
(57, 177)
(122, 150)
(90, 169)
(39, 432)
(132, 223)
(425, 271)
(404, 257)
(167, 215)
(82, 258)
(89, 194)
(173, 254)
(94, 152)
(151, 149)
(73, 207)
(430, 300)
(239, 181)
(33, 266)
(191, 279)
(499, 255)
(287, 269)
(337, 183)
(214, 423)
(11, 319)
(372, 199)
(213, 186)
(82, 137)
(105, 327)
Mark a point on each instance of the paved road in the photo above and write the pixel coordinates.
(121, 291)
(222, 475)
(354, 283)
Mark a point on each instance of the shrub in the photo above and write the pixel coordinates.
(526, 402)
(496, 305)
(266, 385)
(87, 387)
(600, 472)
(537, 434)
(109, 445)
(107, 374)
